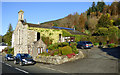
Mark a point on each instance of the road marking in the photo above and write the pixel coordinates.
(21, 70)
(54, 69)
(8, 65)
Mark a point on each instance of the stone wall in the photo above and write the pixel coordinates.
(58, 59)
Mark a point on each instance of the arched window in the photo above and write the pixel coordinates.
(18, 36)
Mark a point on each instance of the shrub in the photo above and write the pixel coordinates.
(104, 43)
(57, 45)
(111, 45)
(55, 52)
(51, 47)
(10, 51)
(96, 44)
(66, 50)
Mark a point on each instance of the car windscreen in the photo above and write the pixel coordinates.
(89, 42)
(25, 56)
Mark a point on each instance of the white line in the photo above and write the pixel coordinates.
(21, 70)
(54, 69)
(8, 65)
(61, 71)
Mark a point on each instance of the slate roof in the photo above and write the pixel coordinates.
(52, 27)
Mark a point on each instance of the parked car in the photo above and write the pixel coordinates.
(84, 44)
(23, 59)
(9, 57)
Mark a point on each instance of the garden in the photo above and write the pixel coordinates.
(62, 48)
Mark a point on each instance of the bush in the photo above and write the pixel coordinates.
(10, 51)
(76, 51)
(66, 50)
(96, 44)
(57, 45)
(111, 45)
(55, 52)
(74, 48)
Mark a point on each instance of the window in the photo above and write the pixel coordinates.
(21, 16)
(59, 37)
(41, 50)
(38, 36)
(38, 50)
(18, 36)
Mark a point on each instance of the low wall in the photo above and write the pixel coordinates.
(58, 59)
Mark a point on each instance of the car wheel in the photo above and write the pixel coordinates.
(21, 64)
(15, 62)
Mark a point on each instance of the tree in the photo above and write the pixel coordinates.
(102, 31)
(82, 22)
(104, 21)
(7, 38)
(92, 22)
(70, 20)
(10, 29)
(0, 38)
(114, 8)
(113, 33)
(93, 7)
(89, 11)
(100, 6)
(118, 6)
(117, 22)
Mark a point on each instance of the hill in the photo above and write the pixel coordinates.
(88, 21)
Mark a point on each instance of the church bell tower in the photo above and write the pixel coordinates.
(20, 15)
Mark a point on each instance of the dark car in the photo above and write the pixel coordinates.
(9, 57)
(84, 44)
(23, 59)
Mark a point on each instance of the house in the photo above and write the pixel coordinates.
(3, 46)
(27, 37)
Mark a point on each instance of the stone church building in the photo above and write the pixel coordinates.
(27, 40)
(26, 37)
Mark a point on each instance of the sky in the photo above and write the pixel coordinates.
(35, 12)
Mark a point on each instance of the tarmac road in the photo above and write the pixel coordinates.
(97, 61)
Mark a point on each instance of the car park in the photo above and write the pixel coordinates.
(84, 44)
(9, 57)
(23, 59)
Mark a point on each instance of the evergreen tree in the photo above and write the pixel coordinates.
(100, 6)
(10, 29)
(89, 11)
(93, 7)
(7, 38)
